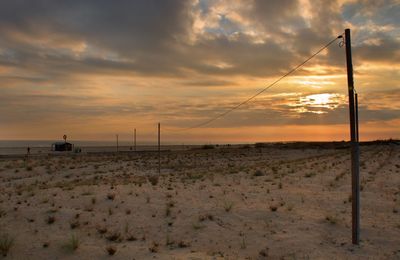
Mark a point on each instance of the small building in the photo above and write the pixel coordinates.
(61, 146)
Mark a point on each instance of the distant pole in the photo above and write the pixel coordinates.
(356, 115)
(355, 168)
(159, 149)
(134, 140)
(117, 143)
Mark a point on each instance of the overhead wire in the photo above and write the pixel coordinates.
(262, 90)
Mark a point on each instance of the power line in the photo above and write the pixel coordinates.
(264, 89)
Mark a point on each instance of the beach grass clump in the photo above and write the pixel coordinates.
(50, 219)
(273, 208)
(101, 230)
(331, 219)
(114, 236)
(154, 247)
(258, 173)
(228, 206)
(74, 224)
(243, 244)
(111, 196)
(309, 174)
(111, 250)
(73, 243)
(153, 179)
(6, 242)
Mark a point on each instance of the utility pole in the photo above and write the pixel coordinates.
(355, 152)
(159, 149)
(117, 143)
(134, 140)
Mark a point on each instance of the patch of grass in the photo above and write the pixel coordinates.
(6, 242)
(183, 244)
(111, 250)
(153, 248)
(73, 243)
(228, 206)
(264, 252)
(114, 236)
(205, 217)
(243, 243)
(309, 174)
(258, 173)
(50, 219)
(153, 179)
(167, 211)
(74, 224)
(101, 230)
(197, 226)
(131, 237)
(2, 213)
(273, 208)
(331, 219)
(111, 196)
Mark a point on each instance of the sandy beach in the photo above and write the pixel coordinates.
(242, 202)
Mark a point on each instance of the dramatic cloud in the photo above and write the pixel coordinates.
(125, 64)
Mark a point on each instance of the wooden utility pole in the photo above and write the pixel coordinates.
(134, 140)
(117, 143)
(355, 153)
(159, 149)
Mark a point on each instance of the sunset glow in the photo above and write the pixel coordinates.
(94, 69)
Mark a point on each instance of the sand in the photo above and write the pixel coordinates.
(223, 203)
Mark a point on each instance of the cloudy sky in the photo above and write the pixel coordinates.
(92, 69)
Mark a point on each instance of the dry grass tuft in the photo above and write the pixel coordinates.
(6, 242)
(111, 250)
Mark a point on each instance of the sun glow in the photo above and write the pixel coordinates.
(317, 103)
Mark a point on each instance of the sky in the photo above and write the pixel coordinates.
(94, 69)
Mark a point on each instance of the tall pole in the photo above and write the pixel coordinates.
(159, 150)
(355, 171)
(356, 116)
(117, 143)
(134, 140)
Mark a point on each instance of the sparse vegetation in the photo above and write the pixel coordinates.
(6, 242)
(258, 173)
(153, 179)
(111, 250)
(111, 196)
(73, 243)
(262, 194)
(154, 247)
(114, 236)
(309, 174)
(50, 219)
(331, 219)
(228, 206)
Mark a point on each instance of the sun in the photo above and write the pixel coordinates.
(318, 103)
(320, 100)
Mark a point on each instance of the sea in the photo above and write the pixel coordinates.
(20, 147)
